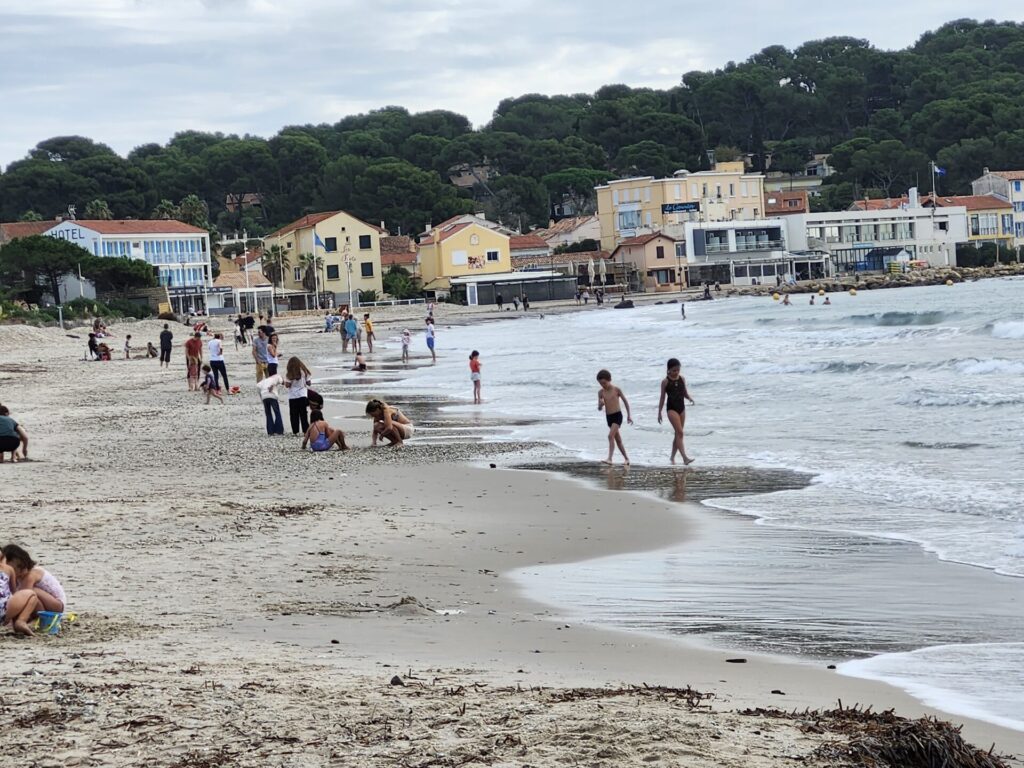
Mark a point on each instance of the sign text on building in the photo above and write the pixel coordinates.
(680, 207)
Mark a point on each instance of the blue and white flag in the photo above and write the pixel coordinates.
(939, 171)
(318, 243)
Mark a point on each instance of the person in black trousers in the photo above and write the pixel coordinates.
(297, 379)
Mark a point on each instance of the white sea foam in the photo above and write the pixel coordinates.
(1008, 329)
(992, 365)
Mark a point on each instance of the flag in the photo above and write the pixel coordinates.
(318, 243)
(939, 171)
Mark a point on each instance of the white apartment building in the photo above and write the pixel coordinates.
(179, 252)
(1008, 185)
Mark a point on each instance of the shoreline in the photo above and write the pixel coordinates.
(147, 491)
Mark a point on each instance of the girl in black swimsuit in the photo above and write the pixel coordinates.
(674, 391)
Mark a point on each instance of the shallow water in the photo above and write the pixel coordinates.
(905, 406)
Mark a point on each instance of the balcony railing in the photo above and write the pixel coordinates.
(764, 245)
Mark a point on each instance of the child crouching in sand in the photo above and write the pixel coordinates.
(608, 400)
(17, 606)
(209, 385)
(30, 576)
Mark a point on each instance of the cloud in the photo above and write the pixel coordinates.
(128, 72)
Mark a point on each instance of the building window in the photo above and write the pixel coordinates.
(647, 218)
(660, 252)
(366, 267)
(629, 219)
(679, 191)
(332, 271)
(493, 256)
(732, 190)
(647, 194)
(705, 190)
(615, 197)
(1016, 186)
(693, 189)
(297, 274)
(743, 189)
(718, 191)
(331, 244)
(288, 244)
(1007, 223)
(364, 243)
(680, 250)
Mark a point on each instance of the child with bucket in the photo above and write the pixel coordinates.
(44, 586)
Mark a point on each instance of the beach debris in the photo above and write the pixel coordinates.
(777, 692)
(886, 740)
(396, 680)
(735, 661)
(831, 666)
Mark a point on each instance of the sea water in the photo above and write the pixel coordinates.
(906, 407)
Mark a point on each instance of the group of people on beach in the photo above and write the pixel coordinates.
(26, 589)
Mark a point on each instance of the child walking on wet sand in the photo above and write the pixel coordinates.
(209, 385)
(474, 375)
(674, 395)
(610, 399)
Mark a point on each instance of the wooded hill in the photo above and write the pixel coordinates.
(955, 96)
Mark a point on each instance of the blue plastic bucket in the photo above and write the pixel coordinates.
(49, 622)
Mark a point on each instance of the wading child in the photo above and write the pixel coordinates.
(406, 341)
(30, 576)
(370, 335)
(674, 395)
(610, 399)
(209, 385)
(474, 375)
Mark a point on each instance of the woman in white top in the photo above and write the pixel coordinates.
(272, 355)
(217, 359)
(297, 378)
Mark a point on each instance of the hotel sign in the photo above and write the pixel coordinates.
(680, 207)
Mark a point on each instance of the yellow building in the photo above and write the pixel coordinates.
(348, 247)
(462, 247)
(631, 207)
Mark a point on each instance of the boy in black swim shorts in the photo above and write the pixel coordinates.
(610, 399)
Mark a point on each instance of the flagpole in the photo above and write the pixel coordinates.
(316, 279)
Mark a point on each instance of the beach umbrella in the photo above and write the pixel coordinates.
(602, 269)
(591, 269)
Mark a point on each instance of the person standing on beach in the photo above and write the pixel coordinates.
(515, 302)
(526, 303)
(406, 341)
(271, 408)
(272, 358)
(217, 360)
(350, 333)
(610, 399)
(474, 376)
(674, 395)
(430, 338)
(166, 338)
(368, 324)
(499, 301)
(194, 360)
(297, 378)
(259, 353)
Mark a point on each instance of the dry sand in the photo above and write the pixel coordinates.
(243, 603)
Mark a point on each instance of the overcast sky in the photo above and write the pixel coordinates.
(127, 72)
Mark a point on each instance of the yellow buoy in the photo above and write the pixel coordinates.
(853, 291)
(821, 291)
(949, 282)
(775, 297)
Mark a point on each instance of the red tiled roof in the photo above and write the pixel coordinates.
(139, 226)
(312, 219)
(402, 258)
(583, 256)
(970, 202)
(527, 242)
(16, 229)
(251, 254)
(238, 280)
(782, 200)
(396, 244)
(1010, 175)
(642, 239)
(565, 226)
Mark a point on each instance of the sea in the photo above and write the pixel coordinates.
(902, 559)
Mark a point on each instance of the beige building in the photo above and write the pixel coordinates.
(628, 208)
(349, 249)
(460, 247)
(655, 259)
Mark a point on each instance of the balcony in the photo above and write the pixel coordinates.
(763, 245)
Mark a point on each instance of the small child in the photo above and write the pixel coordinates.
(360, 363)
(128, 347)
(370, 335)
(608, 400)
(29, 575)
(474, 376)
(16, 606)
(209, 385)
(406, 341)
(151, 350)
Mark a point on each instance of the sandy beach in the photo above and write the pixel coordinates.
(240, 602)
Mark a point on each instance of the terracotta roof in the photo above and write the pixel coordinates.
(970, 202)
(642, 239)
(397, 244)
(401, 258)
(583, 256)
(565, 226)
(452, 229)
(527, 242)
(312, 219)
(782, 199)
(16, 229)
(251, 254)
(237, 280)
(1010, 175)
(138, 226)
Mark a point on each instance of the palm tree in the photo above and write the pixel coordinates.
(165, 209)
(310, 263)
(275, 262)
(98, 209)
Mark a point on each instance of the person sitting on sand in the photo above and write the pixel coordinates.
(30, 576)
(13, 438)
(210, 385)
(151, 350)
(674, 395)
(389, 423)
(16, 606)
(360, 363)
(320, 436)
(103, 352)
(94, 347)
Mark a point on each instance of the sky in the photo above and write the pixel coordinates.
(129, 72)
